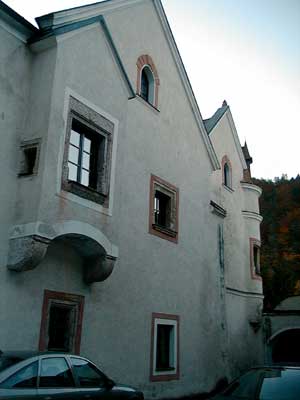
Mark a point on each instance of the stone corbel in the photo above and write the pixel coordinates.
(25, 253)
(98, 268)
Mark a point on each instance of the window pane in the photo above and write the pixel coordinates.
(164, 347)
(87, 145)
(85, 177)
(55, 373)
(24, 378)
(73, 154)
(61, 325)
(144, 85)
(75, 138)
(87, 374)
(72, 172)
(86, 161)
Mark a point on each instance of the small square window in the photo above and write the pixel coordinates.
(163, 214)
(165, 345)
(29, 158)
(88, 153)
(255, 259)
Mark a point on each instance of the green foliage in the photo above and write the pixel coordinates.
(280, 234)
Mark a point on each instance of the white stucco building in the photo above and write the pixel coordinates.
(129, 225)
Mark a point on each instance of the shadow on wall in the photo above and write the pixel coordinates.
(220, 385)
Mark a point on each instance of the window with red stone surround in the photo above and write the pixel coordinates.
(163, 209)
(61, 322)
(164, 357)
(255, 259)
(226, 172)
(145, 61)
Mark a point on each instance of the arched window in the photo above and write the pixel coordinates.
(227, 172)
(226, 175)
(147, 85)
(147, 80)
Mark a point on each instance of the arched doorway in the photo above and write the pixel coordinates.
(285, 347)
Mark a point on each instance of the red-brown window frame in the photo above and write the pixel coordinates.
(78, 301)
(146, 61)
(167, 376)
(175, 191)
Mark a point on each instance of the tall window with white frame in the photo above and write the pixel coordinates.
(165, 345)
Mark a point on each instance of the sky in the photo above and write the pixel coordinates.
(244, 52)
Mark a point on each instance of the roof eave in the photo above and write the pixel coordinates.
(16, 21)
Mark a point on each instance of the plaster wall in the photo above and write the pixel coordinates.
(151, 274)
(167, 144)
(15, 76)
(243, 294)
(245, 345)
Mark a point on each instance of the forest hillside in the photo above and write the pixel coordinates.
(280, 236)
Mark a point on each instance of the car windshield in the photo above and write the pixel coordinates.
(267, 384)
(7, 361)
(283, 384)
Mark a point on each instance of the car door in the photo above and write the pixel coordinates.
(92, 382)
(56, 380)
(21, 384)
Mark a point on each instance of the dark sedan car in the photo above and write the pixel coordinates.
(265, 383)
(47, 376)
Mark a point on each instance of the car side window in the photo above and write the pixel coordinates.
(55, 372)
(25, 378)
(87, 374)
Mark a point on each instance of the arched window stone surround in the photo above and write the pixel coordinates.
(142, 62)
(29, 243)
(226, 172)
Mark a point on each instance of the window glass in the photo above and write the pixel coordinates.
(85, 177)
(165, 347)
(86, 161)
(144, 85)
(227, 175)
(87, 374)
(87, 145)
(55, 373)
(280, 385)
(24, 378)
(73, 154)
(72, 172)
(60, 327)
(75, 138)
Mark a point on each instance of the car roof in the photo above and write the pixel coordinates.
(23, 354)
(277, 366)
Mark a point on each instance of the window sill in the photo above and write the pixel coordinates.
(228, 188)
(146, 103)
(85, 192)
(167, 369)
(164, 230)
